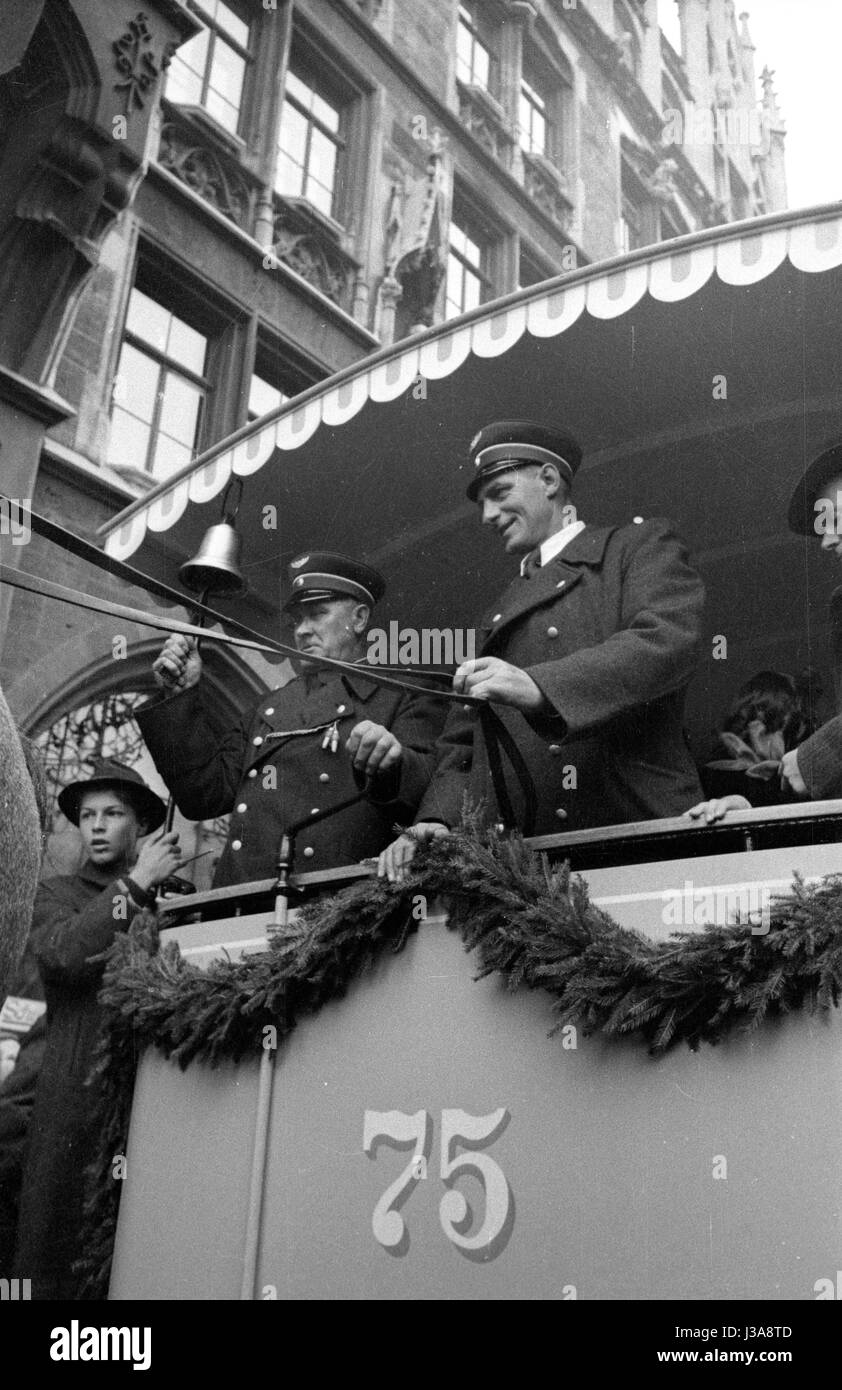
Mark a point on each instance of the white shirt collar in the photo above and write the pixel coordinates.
(554, 544)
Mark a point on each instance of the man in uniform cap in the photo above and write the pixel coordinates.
(586, 656)
(309, 745)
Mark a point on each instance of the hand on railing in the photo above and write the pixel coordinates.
(717, 808)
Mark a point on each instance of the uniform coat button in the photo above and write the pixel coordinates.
(252, 772)
(309, 852)
(270, 710)
(236, 844)
(561, 583)
(242, 807)
(552, 632)
(324, 776)
(257, 741)
(340, 709)
(555, 748)
(497, 617)
(561, 814)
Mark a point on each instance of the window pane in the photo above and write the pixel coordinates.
(186, 346)
(293, 134)
(296, 88)
(263, 397)
(471, 293)
(193, 55)
(169, 457)
(137, 383)
(148, 320)
(232, 24)
(480, 65)
(289, 177)
(319, 196)
(184, 87)
(457, 237)
(128, 441)
(322, 161)
(222, 111)
(227, 72)
(472, 251)
(328, 115)
(180, 409)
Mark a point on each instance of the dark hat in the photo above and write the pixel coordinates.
(150, 808)
(320, 574)
(802, 511)
(513, 443)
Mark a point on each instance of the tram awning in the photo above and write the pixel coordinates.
(700, 376)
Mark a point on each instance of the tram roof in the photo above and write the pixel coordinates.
(700, 376)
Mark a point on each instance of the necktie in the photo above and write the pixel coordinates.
(532, 564)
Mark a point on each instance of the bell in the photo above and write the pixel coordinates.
(215, 568)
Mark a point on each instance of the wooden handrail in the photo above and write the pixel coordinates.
(640, 833)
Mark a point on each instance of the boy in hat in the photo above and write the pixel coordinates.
(76, 918)
(586, 655)
(311, 744)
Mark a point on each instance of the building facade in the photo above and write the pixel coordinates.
(319, 178)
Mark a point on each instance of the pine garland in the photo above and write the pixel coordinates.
(532, 924)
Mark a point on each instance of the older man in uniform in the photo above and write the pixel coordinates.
(309, 745)
(587, 655)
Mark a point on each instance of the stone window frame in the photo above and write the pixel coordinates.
(246, 52)
(483, 26)
(637, 207)
(278, 365)
(471, 214)
(200, 304)
(357, 93)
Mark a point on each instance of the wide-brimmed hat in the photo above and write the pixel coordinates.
(107, 773)
(802, 506)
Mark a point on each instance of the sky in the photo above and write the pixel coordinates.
(801, 41)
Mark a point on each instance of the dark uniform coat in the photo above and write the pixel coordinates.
(610, 632)
(287, 757)
(74, 920)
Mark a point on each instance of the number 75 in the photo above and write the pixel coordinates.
(472, 1132)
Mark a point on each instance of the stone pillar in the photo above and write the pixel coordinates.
(275, 40)
(519, 19)
(774, 169)
(388, 295)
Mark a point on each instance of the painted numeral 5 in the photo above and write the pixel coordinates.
(474, 1132)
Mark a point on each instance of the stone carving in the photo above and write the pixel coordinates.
(136, 63)
(545, 187)
(481, 121)
(203, 170)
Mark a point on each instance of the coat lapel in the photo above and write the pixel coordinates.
(553, 581)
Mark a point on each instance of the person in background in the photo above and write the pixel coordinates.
(76, 918)
(771, 714)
